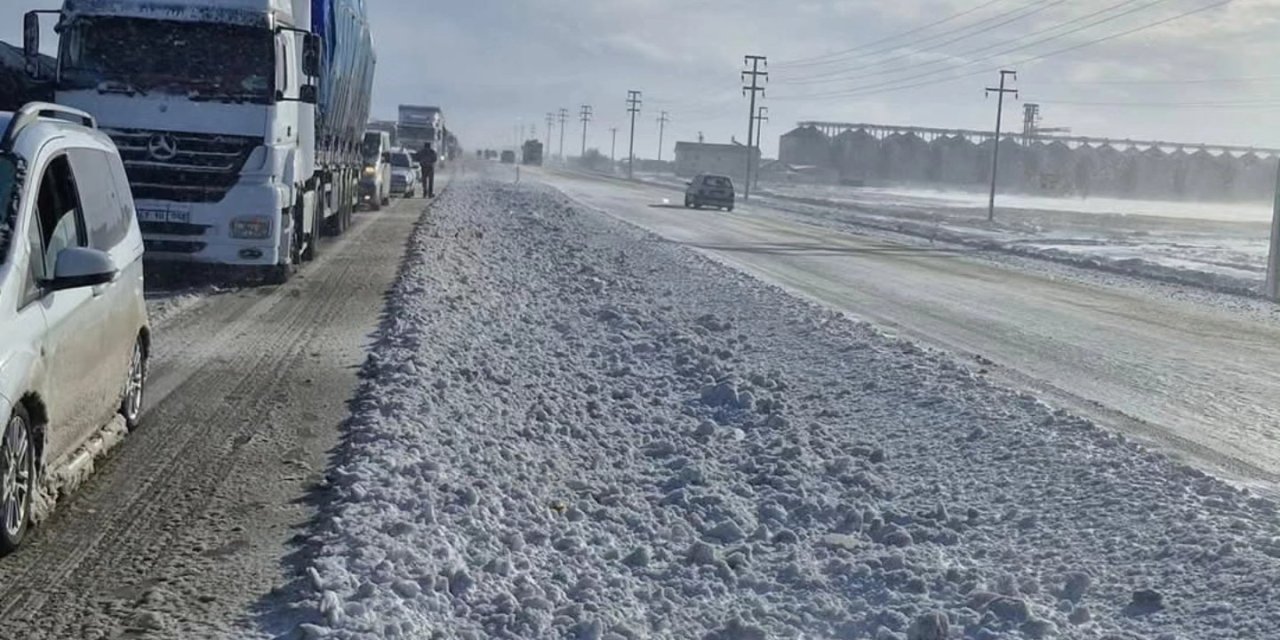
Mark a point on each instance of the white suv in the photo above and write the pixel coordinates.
(73, 321)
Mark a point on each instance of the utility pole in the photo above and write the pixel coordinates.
(564, 117)
(551, 122)
(1273, 259)
(585, 114)
(762, 116)
(613, 150)
(995, 148)
(662, 128)
(755, 74)
(633, 107)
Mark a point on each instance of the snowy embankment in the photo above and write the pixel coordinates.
(1222, 248)
(570, 428)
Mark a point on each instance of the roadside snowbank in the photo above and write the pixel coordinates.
(572, 429)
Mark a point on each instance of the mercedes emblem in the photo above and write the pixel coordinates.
(162, 147)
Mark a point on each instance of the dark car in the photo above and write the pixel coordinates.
(709, 191)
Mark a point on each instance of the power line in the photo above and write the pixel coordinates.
(633, 107)
(755, 74)
(564, 117)
(585, 115)
(1170, 81)
(847, 75)
(995, 146)
(981, 29)
(829, 57)
(887, 87)
(662, 128)
(762, 116)
(551, 122)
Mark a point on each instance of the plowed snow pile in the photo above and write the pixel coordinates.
(573, 429)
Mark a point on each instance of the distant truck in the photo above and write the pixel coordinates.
(240, 121)
(533, 153)
(419, 125)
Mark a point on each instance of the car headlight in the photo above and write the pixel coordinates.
(251, 228)
(370, 171)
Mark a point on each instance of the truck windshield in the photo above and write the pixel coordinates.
(203, 61)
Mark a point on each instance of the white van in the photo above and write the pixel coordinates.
(375, 182)
(74, 335)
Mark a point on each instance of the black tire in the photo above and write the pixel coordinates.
(277, 274)
(134, 386)
(687, 204)
(697, 205)
(386, 201)
(729, 208)
(17, 479)
(317, 230)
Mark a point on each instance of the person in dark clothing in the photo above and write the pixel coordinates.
(428, 158)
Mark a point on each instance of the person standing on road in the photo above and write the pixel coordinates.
(428, 159)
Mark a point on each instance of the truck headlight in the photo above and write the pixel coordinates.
(251, 228)
(370, 171)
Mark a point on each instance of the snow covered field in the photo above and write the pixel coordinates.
(570, 428)
(1220, 246)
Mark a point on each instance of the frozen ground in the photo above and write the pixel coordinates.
(570, 428)
(1220, 246)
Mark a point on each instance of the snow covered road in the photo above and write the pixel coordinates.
(185, 524)
(571, 428)
(1196, 379)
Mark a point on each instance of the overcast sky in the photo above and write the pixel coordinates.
(497, 64)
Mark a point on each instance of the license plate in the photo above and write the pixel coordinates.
(163, 215)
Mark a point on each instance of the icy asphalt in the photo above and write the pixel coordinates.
(570, 427)
(1185, 370)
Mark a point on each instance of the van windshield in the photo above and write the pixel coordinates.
(372, 147)
(8, 175)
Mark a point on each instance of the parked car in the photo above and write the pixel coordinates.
(75, 337)
(375, 182)
(709, 190)
(404, 173)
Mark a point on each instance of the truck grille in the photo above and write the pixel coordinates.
(182, 167)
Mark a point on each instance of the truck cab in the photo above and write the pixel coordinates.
(224, 118)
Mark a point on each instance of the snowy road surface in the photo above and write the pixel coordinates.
(571, 428)
(184, 526)
(1196, 379)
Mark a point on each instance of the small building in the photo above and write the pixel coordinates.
(694, 158)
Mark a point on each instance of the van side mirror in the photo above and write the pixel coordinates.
(307, 94)
(31, 43)
(312, 49)
(78, 267)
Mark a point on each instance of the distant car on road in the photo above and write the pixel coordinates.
(709, 190)
(508, 157)
(75, 336)
(404, 173)
(375, 182)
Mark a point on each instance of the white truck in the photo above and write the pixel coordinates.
(419, 125)
(240, 121)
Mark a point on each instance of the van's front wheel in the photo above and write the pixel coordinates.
(17, 479)
(131, 404)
